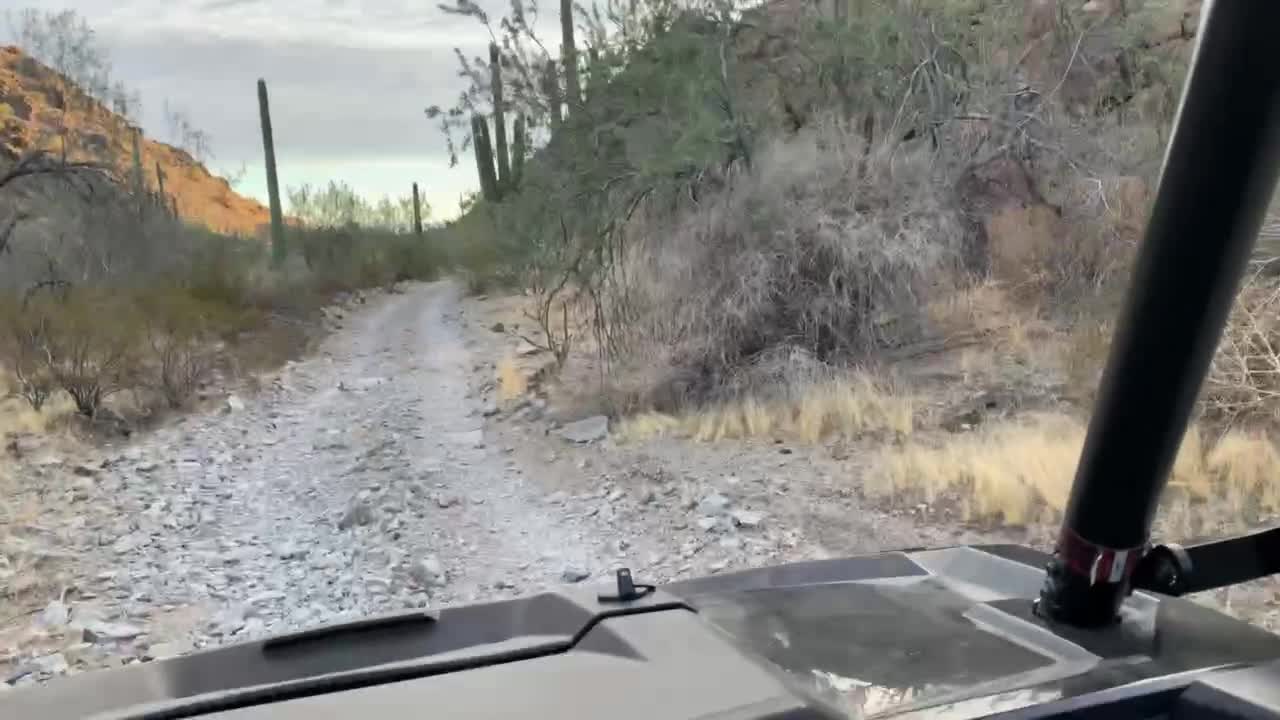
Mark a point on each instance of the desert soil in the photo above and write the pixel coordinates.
(380, 474)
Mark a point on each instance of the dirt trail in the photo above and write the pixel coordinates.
(377, 475)
(367, 478)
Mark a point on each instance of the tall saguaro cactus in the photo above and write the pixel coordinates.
(273, 183)
(519, 142)
(499, 118)
(594, 75)
(551, 91)
(417, 212)
(163, 197)
(484, 158)
(569, 54)
(139, 188)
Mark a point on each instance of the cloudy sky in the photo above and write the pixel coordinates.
(348, 79)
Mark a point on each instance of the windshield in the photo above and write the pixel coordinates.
(314, 313)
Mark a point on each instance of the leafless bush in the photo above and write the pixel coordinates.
(24, 351)
(179, 331)
(801, 252)
(1244, 378)
(90, 351)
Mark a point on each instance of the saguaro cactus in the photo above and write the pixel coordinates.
(519, 141)
(160, 193)
(484, 158)
(551, 90)
(273, 183)
(139, 188)
(499, 118)
(417, 212)
(595, 74)
(569, 54)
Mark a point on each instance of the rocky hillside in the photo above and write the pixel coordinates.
(37, 104)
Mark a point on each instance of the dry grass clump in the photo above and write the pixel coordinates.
(1084, 354)
(1013, 474)
(847, 407)
(512, 383)
(1007, 473)
(1245, 471)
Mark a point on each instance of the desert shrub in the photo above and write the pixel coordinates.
(81, 341)
(181, 332)
(1244, 377)
(349, 257)
(92, 341)
(23, 351)
(802, 251)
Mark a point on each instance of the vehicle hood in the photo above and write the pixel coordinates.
(943, 633)
(954, 631)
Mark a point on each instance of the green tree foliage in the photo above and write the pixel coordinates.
(680, 96)
(338, 205)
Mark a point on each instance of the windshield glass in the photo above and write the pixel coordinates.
(311, 311)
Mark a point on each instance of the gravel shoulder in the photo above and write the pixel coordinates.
(377, 475)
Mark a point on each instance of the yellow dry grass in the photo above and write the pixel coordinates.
(998, 337)
(512, 382)
(841, 408)
(1014, 474)
(981, 308)
(1006, 473)
(17, 416)
(1245, 470)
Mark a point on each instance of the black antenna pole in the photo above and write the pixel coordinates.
(1218, 178)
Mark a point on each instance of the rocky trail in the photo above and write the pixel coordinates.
(375, 476)
(378, 475)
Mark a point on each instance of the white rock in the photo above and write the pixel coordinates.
(359, 513)
(471, 438)
(748, 518)
(364, 383)
(707, 524)
(713, 504)
(264, 597)
(129, 542)
(289, 551)
(587, 430)
(427, 571)
(54, 664)
(55, 614)
(99, 631)
(166, 650)
(234, 404)
(574, 574)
